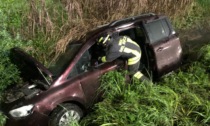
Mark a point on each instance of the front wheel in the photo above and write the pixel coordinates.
(65, 115)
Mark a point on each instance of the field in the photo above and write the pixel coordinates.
(40, 26)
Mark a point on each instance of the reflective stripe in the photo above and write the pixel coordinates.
(122, 42)
(125, 39)
(100, 40)
(135, 52)
(133, 60)
(138, 75)
(103, 59)
(122, 48)
(105, 39)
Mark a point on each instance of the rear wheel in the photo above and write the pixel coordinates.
(65, 115)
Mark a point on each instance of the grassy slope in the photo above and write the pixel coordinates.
(41, 26)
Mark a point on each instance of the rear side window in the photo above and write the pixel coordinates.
(157, 30)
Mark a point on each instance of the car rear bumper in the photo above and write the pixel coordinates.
(35, 119)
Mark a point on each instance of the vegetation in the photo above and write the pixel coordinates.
(41, 26)
(8, 72)
(50, 25)
(181, 98)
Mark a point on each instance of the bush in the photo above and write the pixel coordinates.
(11, 13)
(8, 72)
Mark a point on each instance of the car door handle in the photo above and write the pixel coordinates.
(159, 49)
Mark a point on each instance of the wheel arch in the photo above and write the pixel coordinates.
(76, 102)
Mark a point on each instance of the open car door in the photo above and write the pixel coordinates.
(165, 45)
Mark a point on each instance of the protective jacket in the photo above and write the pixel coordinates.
(124, 47)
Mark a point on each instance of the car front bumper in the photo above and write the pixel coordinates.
(35, 119)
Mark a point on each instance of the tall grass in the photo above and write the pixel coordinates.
(51, 25)
(181, 99)
(55, 23)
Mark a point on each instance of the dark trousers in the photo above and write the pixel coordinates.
(134, 72)
(132, 69)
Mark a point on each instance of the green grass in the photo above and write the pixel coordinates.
(204, 3)
(26, 27)
(181, 98)
(197, 16)
(2, 119)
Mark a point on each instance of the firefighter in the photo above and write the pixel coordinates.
(122, 46)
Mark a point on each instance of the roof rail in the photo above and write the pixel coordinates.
(131, 18)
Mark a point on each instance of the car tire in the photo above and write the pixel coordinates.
(65, 115)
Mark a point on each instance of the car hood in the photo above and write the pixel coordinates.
(30, 68)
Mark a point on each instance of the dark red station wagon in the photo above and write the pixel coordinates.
(64, 92)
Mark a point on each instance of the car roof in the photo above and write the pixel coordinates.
(143, 17)
(132, 19)
(124, 21)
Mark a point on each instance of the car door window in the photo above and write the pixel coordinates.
(157, 30)
(81, 66)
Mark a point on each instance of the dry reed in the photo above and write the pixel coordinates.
(74, 18)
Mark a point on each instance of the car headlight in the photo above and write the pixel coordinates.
(22, 111)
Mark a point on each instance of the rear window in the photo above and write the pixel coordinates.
(157, 30)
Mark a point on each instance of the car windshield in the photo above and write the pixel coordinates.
(64, 59)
